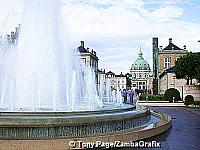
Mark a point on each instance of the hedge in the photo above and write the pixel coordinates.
(151, 97)
(196, 103)
(189, 99)
(170, 93)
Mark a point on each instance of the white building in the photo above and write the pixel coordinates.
(89, 58)
(117, 81)
(140, 71)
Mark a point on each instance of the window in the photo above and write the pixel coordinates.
(140, 75)
(134, 85)
(83, 60)
(134, 75)
(167, 62)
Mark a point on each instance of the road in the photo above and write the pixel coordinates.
(185, 131)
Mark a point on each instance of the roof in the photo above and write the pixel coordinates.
(120, 75)
(110, 72)
(171, 46)
(169, 70)
(81, 48)
(140, 63)
(101, 71)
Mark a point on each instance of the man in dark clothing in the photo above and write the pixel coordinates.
(124, 94)
(131, 94)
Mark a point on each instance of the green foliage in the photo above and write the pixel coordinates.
(187, 67)
(129, 82)
(196, 103)
(197, 67)
(170, 93)
(151, 97)
(189, 99)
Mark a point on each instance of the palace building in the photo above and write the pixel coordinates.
(140, 71)
(164, 60)
(118, 81)
(88, 57)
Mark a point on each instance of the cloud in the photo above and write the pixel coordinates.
(116, 29)
(123, 26)
(167, 13)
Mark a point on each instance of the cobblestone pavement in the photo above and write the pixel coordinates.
(185, 131)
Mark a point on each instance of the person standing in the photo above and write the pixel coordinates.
(131, 94)
(124, 94)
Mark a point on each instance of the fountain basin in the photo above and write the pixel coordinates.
(70, 125)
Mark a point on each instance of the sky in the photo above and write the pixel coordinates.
(116, 29)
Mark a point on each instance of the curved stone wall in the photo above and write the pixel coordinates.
(62, 125)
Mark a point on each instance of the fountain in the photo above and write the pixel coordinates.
(46, 93)
(41, 72)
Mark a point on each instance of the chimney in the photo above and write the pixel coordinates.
(82, 44)
(87, 48)
(184, 46)
(170, 40)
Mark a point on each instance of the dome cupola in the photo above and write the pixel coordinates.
(140, 63)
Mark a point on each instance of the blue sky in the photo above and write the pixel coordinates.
(117, 28)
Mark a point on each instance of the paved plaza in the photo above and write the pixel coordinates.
(185, 131)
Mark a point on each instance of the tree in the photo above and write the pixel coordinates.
(197, 67)
(187, 67)
(128, 77)
(129, 82)
(189, 99)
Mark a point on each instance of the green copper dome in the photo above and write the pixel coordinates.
(140, 63)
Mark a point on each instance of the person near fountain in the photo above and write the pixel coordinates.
(134, 100)
(124, 94)
(131, 94)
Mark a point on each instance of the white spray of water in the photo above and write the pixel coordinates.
(40, 72)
